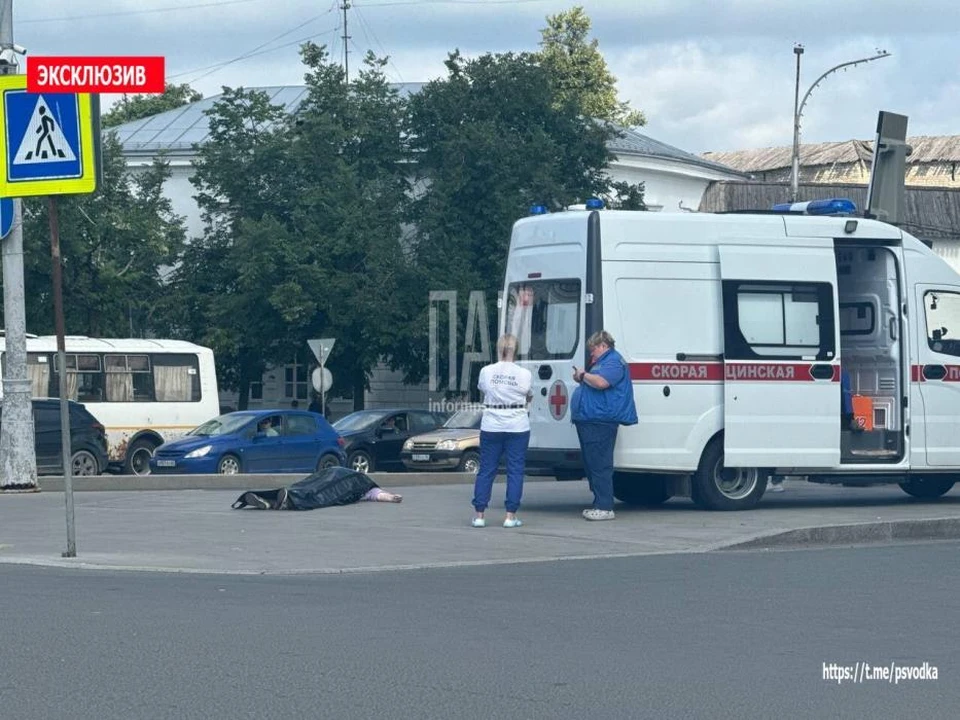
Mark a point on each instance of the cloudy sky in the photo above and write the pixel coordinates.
(715, 75)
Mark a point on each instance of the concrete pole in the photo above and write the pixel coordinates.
(18, 460)
(795, 171)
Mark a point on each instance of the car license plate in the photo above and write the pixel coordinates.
(421, 458)
(166, 463)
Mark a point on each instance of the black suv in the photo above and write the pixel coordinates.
(88, 440)
(373, 439)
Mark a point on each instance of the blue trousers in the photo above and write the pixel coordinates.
(597, 440)
(493, 445)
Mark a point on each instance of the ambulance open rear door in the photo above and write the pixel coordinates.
(781, 356)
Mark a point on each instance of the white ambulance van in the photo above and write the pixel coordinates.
(738, 329)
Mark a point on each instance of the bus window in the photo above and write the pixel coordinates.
(176, 378)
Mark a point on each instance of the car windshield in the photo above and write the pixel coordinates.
(358, 421)
(223, 425)
(465, 419)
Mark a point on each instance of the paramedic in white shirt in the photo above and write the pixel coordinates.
(504, 430)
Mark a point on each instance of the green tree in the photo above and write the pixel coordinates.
(116, 245)
(491, 139)
(351, 167)
(226, 291)
(134, 107)
(579, 71)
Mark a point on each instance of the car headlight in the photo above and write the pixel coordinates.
(408, 445)
(447, 445)
(199, 452)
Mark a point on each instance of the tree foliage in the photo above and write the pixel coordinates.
(303, 219)
(115, 245)
(579, 71)
(491, 139)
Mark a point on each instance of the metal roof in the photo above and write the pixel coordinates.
(180, 129)
(633, 143)
(183, 127)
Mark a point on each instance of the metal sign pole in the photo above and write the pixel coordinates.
(62, 366)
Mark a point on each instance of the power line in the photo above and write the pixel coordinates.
(364, 25)
(453, 2)
(259, 50)
(142, 11)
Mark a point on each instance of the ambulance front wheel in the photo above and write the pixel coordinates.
(927, 488)
(716, 487)
(639, 489)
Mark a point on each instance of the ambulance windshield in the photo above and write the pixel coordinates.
(545, 317)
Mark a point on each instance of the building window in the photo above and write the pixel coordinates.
(296, 385)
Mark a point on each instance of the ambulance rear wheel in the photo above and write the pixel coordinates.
(716, 487)
(637, 489)
(927, 488)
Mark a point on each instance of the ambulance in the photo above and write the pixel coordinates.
(749, 337)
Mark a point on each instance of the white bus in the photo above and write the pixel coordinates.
(144, 392)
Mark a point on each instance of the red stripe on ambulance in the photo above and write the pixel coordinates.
(677, 371)
(699, 372)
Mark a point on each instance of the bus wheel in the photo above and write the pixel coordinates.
(640, 489)
(138, 457)
(716, 487)
(927, 488)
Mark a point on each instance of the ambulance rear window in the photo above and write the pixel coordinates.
(545, 317)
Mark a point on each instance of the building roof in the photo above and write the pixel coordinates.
(926, 149)
(178, 130)
(633, 143)
(183, 127)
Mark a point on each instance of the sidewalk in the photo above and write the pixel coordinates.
(197, 531)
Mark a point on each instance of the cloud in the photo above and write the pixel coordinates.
(709, 76)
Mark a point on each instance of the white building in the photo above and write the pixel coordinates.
(674, 181)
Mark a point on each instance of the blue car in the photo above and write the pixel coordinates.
(254, 441)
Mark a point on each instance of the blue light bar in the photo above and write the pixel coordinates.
(538, 210)
(594, 204)
(833, 206)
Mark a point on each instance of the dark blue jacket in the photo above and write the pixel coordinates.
(614, 404)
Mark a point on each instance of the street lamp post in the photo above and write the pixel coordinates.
(798, 106)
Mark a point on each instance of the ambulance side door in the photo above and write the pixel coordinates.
(781, 356)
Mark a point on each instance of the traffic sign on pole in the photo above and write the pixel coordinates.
(6, 216)
(321, 348)
(47, 141)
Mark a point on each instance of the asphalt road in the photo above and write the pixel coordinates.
(718, 635)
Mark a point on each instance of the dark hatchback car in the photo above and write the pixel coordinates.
(373, 439)
(253, 441)
(88, 440)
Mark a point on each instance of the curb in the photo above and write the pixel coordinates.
(853, 534)
(154, 483)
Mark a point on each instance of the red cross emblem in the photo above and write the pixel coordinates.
(558, 400)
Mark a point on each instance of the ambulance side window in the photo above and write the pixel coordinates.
(777, 320)
(942, 311)
(544, 315)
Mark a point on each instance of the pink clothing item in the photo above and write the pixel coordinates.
(372, 495)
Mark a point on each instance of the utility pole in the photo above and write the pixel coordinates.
(18, 460)
(346, 38)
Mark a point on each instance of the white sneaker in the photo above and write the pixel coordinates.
(775, 487)
(595, 514)
(479, 522)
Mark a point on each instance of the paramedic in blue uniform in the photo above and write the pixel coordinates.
(504, 430)
(601, 403)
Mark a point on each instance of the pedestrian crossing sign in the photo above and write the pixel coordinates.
(49, 141)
